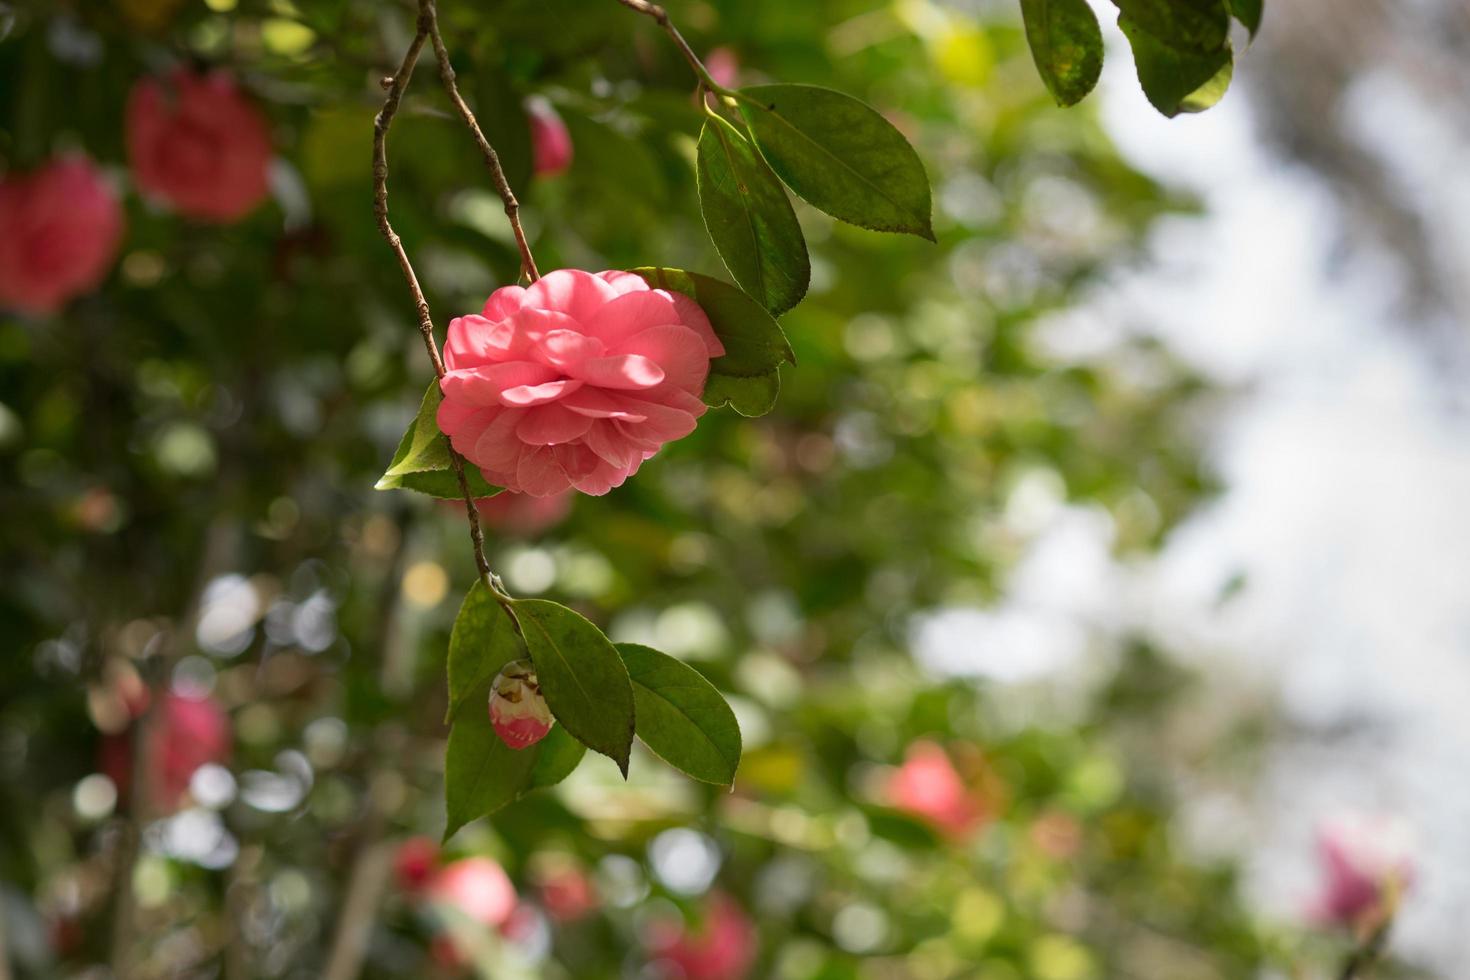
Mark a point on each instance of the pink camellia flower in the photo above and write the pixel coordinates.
(551, 143)
(517, 710)
(188, 733)
(61, 228)
(199, 145)
(723, 65)
(928, 786)
(478, 888)
(415, 863)
(1367, 862)
(575, 380)
(524, 515)
(722, 948)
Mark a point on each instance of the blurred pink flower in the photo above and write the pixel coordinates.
(723, 65)
(518, 712)
(722, 948)
(575, 380)
(415, 863)
(551, 144)
(566, 893)
(188, 733)
(196, 143)
(478, 888)
(928, 786)
(1367, 861)
(524, 515)
(62, 225)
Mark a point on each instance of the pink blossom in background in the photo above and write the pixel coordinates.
(187, 733)
(928, 786)
(722, 947)
(551, 143)
(567, 893)
(476, 886)
(1367, 861)
(415, 863)
(575, 380)
(62, 225)
(197, 144)
(723, 65)
(524, 515)
(518, 712)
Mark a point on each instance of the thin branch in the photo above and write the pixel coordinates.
(371, 871)
(492, 159)
(661, 17)
(1367, 952)
(396, 86)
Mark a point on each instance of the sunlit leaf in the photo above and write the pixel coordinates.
(1177, 81)
(1248, 12)
(841, 156)
(422, 460)
(1066, 43)
(681, 716)
(1198, 26)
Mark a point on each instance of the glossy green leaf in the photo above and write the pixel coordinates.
(1197, 26)
(841, 156)
(746, 377)
(1248, 12)
(483, 640)
(422, 460)
(582, 677)
(750, 219)
(1066, 43)
(681, 716)
(1177, 81)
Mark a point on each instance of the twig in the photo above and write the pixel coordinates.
(661, 17)
(396, 86)
(492, 159)
(1362, 958)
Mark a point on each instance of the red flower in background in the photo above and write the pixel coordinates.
(524, 515)
(566, 893)
(476, 886)
(188, 732)
(199, 145)
(928, 786)
(415, 864)
(61, 228)
(723, 947)
(551, 143)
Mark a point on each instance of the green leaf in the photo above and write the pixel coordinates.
(582, 677)
(1066, 44)
(1177, 81)
(422, 460)
(746, 376)
(483, 640)
(750, 219)
(1197, 26)
(482, 773)
(682, 717)
(841, 156)
(1248, 12)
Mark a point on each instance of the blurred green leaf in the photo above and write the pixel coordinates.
(841, 156)
(422, 460)
(582, 677)
(1177, 81)
(750, 219)
(1248, 12)
(681, 716)
(746, 377)
(1066, 44)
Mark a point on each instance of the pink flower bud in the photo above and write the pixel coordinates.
(415, 863)
(478, 888)
(1367, 861)
(723, 947)
(575, 380)
(62, 225)
(551, 143)
(517, 709)
(197, 144)
(928, 786)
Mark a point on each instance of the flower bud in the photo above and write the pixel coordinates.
(517, 709)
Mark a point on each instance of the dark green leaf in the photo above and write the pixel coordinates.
(422, 460)
(750, 219)
(1248, 12)
(841, 156)
(1066, 44)
(483, 640)
(582, 677)
(1193, 26)
(681, 716)
(1177, 81)
(746, 377)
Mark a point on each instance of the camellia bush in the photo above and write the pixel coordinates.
(398, 400)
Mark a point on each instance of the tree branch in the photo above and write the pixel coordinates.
(661, 17)
(492, 159)
(396, 85)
